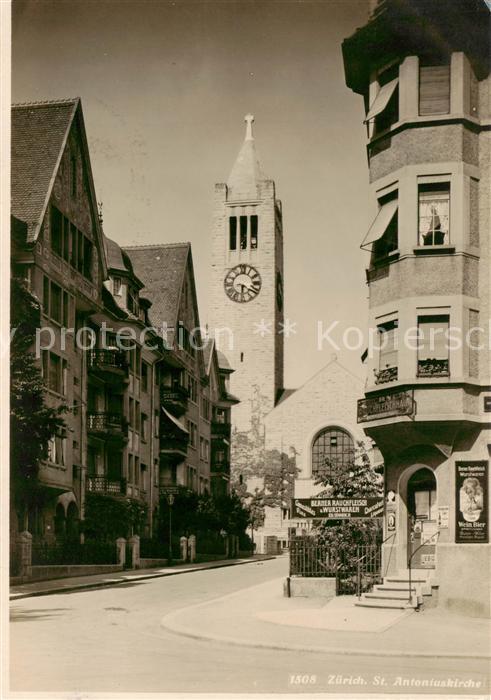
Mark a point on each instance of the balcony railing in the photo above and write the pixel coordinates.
(174, 444)
(433, 368)
(386, 406)
(382, 376)
(107, 423)
(220, 429)
(107, 360)
(175, 398)
(222, 466)
(104, 485)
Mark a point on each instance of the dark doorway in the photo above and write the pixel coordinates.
(422, 519)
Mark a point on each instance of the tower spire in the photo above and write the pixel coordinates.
(247, 173)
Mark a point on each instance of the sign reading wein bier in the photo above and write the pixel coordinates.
(326, 508)
(471, 512)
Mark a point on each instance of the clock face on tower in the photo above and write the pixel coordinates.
(242, 283)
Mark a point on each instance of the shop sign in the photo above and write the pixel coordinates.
(400, 403)
(443, 517)
(337, 508)
(471, 499)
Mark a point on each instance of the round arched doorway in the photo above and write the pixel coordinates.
(422, 510)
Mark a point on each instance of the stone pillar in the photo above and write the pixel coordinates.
(134, 543)
(184, 548)
(192, 548)
(121, 549)
(24, 544)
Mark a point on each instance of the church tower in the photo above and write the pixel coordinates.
(246, 300)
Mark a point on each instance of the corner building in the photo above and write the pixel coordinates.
(423, 71)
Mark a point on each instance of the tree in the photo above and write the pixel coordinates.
(32, 422)
(359, 480)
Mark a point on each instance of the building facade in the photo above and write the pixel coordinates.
(146, 398)
(423, 73)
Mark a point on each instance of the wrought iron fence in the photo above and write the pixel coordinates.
(101, 484)
(354, 569)
(46, 554)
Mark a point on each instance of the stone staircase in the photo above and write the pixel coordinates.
(394, 591)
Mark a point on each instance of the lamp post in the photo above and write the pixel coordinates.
(170, 501)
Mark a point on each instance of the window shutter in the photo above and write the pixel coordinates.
(434, 90)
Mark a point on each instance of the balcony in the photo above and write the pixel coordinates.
(107, 424)
(220, 467)
(433, 368)
(220, 430)
(104, 485)
(107, 363)
(174, 446)
(175, 399)
(383, 406)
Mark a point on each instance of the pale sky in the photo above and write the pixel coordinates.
(165, 87)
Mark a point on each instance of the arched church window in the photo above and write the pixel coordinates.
(332, 450)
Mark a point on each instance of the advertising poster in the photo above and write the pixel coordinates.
(471, 502)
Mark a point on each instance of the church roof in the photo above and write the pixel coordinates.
(161, 268)
(246, 172)
(39, 131)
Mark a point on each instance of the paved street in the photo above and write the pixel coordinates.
(111, 640)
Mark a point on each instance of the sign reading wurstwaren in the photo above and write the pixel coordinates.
(326, 508)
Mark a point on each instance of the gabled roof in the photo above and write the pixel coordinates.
(39, 133)
(161, 268)
(247, 172)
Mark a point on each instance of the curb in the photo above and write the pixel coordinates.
(168, 623)
(130, 579)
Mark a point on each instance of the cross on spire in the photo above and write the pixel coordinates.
(249, 118)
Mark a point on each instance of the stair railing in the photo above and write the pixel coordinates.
(435, 537)
(360, 559)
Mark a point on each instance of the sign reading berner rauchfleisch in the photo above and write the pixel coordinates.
(471, 499)
(324, 507)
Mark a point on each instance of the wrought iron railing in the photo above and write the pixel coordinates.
(107, 359)
(220, 429)
(433, 368)
(102, 422)
(74, 553)
(382, 376)
(173, 443)
(102, 484)
(175, 397)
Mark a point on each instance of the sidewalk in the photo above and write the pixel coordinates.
(65, 585)
(261, 617)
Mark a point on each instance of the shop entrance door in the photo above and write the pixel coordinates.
(422, 519)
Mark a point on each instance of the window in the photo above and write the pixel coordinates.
(73, 176)
(434, 214)
(131, 413)
(156, 419)
(384, 110)
(56, 302)
(144, 370)
(433, 350)
(54, 371)
(80, 251)
(434, 87)
(87, 258)
(57, 448)
(131, 473)
(387, 371)
(137, 416)
(131, 303)
(56, 231)
(144, 426)
(137, 471)
(243, 232)
(204, 449)
(117, 286)
(232, 227)
(382, 235)
(193, 388)
(192, 430)
(205, 408)
(156, 472)
(333, 450)
(114, 462)
(254, 232)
